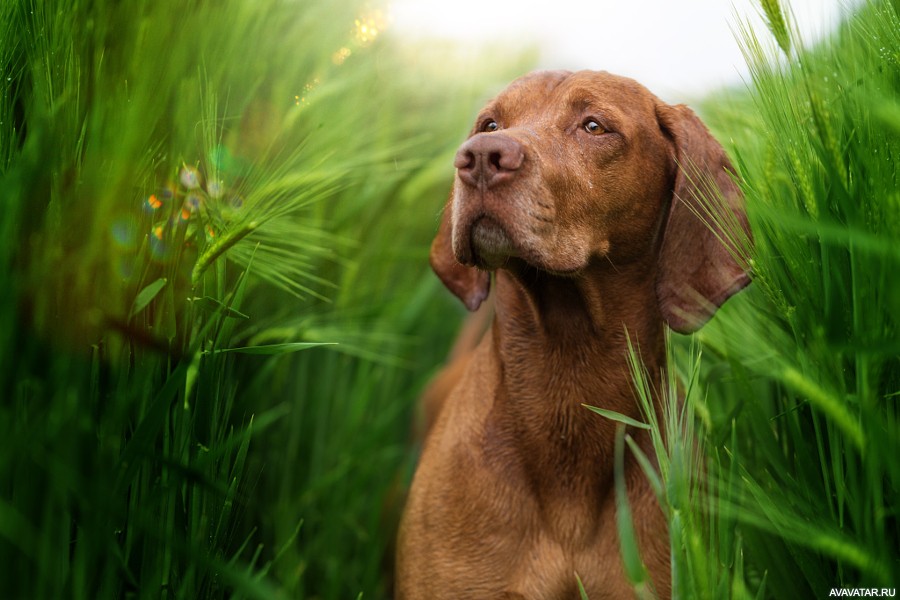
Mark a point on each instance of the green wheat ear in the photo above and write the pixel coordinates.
(216, 250)
(777, 24)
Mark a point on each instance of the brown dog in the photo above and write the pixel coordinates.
(581, 191)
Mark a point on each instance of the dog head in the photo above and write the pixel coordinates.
(565, 168)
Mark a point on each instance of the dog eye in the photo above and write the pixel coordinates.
(490, 125)
(592, 126)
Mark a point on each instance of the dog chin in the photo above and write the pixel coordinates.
(491, 245)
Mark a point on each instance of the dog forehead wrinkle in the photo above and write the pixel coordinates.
(620, 95)
(520, 95)
(548, 80)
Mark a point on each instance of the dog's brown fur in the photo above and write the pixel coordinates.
(590, 232)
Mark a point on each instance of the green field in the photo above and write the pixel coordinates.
(216, 310)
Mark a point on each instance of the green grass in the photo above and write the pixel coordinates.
(198, 197)
(795, 396)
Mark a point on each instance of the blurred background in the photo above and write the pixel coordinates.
(679, 50)
(217, 311)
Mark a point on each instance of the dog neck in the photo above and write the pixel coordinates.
(562, 343)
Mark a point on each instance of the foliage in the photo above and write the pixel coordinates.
(193, 193)
(216, 313)
(796, 398)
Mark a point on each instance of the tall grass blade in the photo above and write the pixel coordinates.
(273, 349)
(617, 417)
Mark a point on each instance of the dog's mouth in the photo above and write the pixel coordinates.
(489, 240)
(490, 245)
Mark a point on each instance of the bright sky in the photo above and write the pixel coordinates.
(677, 48)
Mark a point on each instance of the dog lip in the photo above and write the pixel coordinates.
(467, 252)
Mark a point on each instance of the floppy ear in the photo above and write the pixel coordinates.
(698, 265)
(468, 283)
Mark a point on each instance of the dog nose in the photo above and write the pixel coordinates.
(488, 159)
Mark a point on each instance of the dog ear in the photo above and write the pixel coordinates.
(468, 283)
(699, 268)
